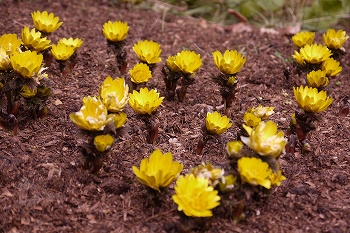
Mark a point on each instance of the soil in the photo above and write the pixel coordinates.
(43, 187)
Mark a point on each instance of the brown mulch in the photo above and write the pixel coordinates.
(44, 189)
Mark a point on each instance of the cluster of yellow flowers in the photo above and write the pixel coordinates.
(310, 99)
(267, 143)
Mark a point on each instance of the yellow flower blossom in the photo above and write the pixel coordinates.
(10, 43)
(217, 124)
(157, 171)
(140, 73)
(234, 148)
(170, 63)
(61, 51)
(45, 22)
(251, 120)
(207, 171)
(317, 79)
(75, 43)
(188, 62)
(28, 63)
(298, 58)
(264, 139)
(103, 142)
(335, 39)
(276, 178)
(262, 112)
(26, 92)
(303, 38)
(93, 115)
(332, 67)
(119, 119)
(310, 100)
(32, 40)
(195, 197)
(5, 61)
(115, 31)
(148, 51)
(145, 101)
(313, 54)
(231, 63)
(254, 171)
(227, 183)
(114, 94)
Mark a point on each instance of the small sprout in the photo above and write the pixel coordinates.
(33, 41)
(264, 139)
(93, 115)
(234, 148)
(331, 67)
(158, 171)
(103, 142)
(45, 22)
(195, 197)
(114, 94)
(303, 38)
(254, 171)
(317, 79)
(335, 39)
(311, 100)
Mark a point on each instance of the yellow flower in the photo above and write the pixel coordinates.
(227, 183)
(303, 38)
(188, 62)
(26, 92)
(45, 22)
(207, 171)
(148, 51)
(264, 139)
(93, 115)
(254, 171)
(276, 178)
(317, 79)
(332, 67)
(231, 81)
(170, 63)
(234, 148)
(140, 73)
(103, 142)
(157, 171)
(231, 63)
(145, 101)
(10, 43)
(119, 119)
(28, 63)
(217, 124)
(310, 100)
(115, 31)
(335, 39)
(298, 57)
(5, 61)
(195, 197)
(313, 54)
(251, 120)
(75, 43)
(62, 52)
(114, 94)
(33, 40)
(262, 112)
